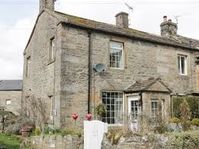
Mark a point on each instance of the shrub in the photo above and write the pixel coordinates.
(185, 115)
(37, 131)
(174, 120)
(100, 110)
(70, 131)
(193, 102)
(114, 134)
(51, 130)
(195, 122)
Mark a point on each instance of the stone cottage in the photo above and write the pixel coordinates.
(74, 64)
(10, 95)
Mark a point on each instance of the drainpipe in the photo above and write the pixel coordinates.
(141, 102)
(89, 70)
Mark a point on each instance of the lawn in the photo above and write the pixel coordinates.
(10, 142)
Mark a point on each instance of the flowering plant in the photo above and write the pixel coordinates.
(75, 116)
(89, 116)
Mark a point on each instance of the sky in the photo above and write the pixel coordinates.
(17, 18)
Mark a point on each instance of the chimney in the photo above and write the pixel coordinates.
(46, 4)
(122, 20)
(168, 28)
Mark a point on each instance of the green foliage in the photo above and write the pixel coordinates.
(183, 140)
(37, 131)
(185, 110)
(51, 130)
(9, 141)
(195, 122)
(71, 131)
(100, 110)
(185, 115)
(174, 120)
(193, 102)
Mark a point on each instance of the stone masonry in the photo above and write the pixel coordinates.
(63, 82)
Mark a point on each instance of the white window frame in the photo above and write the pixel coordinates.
(117, 112)
(8, 101)
(180, 69)
(118, 64)
(154, 111)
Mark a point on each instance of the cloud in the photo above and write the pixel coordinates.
(13, 40)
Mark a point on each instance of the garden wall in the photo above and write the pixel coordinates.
(57, 142)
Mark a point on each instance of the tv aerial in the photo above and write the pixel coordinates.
(129, 7)
(130, 11)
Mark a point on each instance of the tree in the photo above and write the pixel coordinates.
(185, 114)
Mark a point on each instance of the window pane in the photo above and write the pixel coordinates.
(114, 106)
(116, 54)
(154, 108)
(182, 66)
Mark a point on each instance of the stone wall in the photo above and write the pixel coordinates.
(41, 79)
(142, 61)
(57, 142)
(63, 83)
(15, 101)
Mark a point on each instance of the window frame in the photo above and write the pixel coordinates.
(28, 62)
(121, 64)
(8, 102)
(154, 111)
(118, 113)
(52, 50)
(179, 63)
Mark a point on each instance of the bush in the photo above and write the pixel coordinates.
(37, 131)
(100, 110)
(186, 140)
(193, 102)
(174, 120)
(18, 123)
(186, 125)
(70, 131)
(114, 134)
(195, 122)
(51, 130)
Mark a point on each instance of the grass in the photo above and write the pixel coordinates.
(9, 141)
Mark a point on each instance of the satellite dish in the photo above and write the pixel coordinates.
(99, 68)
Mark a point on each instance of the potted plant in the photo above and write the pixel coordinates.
(100, 110)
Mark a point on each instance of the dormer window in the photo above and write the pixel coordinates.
(116, 55)
(182, 64)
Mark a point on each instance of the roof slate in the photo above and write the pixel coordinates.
(178, 40)
(10, 85)
(144, 85)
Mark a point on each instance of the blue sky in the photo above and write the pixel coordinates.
(17, 18)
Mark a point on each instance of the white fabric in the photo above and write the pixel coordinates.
(93, 134)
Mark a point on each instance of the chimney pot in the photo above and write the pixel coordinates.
(165, 18)
(168, 28)
(122, 20)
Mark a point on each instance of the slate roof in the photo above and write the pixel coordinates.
(177, 41)
(144, 85)
(10, 85)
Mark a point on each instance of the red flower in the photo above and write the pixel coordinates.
(89, 116)
(74, 116)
